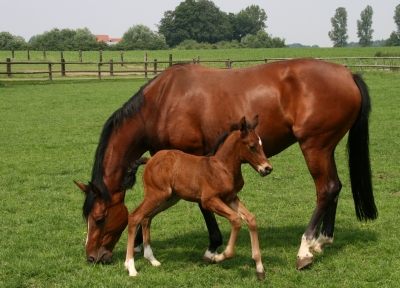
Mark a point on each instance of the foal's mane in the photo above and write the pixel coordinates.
(129, 110)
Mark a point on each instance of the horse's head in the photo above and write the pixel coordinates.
(106, 220)
(251, 148)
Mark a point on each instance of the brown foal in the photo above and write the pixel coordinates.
(213, 181)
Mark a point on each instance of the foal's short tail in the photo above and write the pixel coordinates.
(130, 174)
(359, 163)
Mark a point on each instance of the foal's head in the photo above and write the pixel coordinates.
(251, 150)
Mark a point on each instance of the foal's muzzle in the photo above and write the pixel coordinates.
(264, 171)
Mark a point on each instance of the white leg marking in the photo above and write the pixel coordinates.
(209, 254)
(304, 251)
(148, 254)
(321, 242)
(130, 266)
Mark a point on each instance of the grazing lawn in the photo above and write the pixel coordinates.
(49, 133)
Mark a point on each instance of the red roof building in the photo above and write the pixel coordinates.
(107, 39)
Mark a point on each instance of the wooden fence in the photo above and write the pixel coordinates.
(146, 68)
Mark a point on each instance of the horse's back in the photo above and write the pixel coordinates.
(293, 99)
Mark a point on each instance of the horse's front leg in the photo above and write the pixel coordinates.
(217, 206)
(250, 220)
(214, 234)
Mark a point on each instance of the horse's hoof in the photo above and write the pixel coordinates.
(261, 275)
(303, 262)
(207, 260)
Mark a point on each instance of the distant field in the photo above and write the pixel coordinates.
(134, 66)
(233, 54)
(49, 133)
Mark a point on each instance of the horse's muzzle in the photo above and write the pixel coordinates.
(265, 171)
(105, 258)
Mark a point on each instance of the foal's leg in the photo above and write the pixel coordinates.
(322, 166)
(217, 206)
(146, 222)
(255, 246)
(213, 232)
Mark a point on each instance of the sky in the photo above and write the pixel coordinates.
(298, 21)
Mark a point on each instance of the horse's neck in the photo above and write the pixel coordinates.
(229, 154)
(123, 148)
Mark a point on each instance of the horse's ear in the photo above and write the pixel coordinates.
(97, 192)
(254, 123)
(243, 126)
(83, 187)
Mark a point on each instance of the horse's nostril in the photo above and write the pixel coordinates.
(90, 259)
(268, 170)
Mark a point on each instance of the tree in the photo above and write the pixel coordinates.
(141, 37)
(393, 40)
(396, 18)
(199, 20)
(248, 21)
(338, 34)
(66, 39)
(364, 27)
(11, 42)
(262, 40)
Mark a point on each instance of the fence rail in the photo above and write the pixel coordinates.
(146, 68)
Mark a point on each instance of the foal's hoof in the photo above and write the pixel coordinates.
(303, 262)
(261, 275)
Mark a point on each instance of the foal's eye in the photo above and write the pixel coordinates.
(100, 221)
(252, 148)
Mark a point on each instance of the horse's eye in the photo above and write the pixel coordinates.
(252, 148)
(100, 221)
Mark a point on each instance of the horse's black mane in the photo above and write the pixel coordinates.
(130, 109)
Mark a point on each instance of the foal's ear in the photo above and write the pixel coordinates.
(83, 187)
(243, 126)
(254, 123)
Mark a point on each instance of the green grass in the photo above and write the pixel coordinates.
(49, 133)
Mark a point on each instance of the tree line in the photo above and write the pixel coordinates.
(198, 24)
(339, 37)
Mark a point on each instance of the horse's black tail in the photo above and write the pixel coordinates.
(359, 162)
(130, 174)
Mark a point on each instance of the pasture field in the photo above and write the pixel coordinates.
(49, 133)
(183, 55)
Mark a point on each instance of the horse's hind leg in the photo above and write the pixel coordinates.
(214, 233)
(322, 167)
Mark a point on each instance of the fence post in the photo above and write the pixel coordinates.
(155, 66)
(111, 67)
(122, 58)
(198, 60)
(170, 59)
(228, 63)
(345, 62)
(44, 54)
(265, 60)
(145, 65)
(29, 55)
(80, 56)
(62, 67)
(61, 55)
(12, 54)
(101, 56)
(99, 70)
(8, 67)
(50, 73)
(376, 63)
(360, 64)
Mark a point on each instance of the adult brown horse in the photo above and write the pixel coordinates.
(212, 181)
(187, 107)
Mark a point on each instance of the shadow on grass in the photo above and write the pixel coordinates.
(278, 244)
